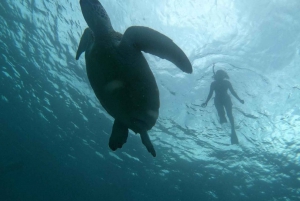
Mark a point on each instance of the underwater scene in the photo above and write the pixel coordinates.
(153, 100)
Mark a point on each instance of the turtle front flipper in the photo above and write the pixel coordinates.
(118, 136)
(147, 142)
(153, 42)
(85, 41)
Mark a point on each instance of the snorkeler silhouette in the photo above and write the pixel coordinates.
(222, 99)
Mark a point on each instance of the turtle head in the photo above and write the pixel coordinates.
(95, 15)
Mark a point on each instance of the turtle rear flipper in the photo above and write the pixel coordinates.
(147, 142)
(85, 41)
(118, 136)
(153, 42)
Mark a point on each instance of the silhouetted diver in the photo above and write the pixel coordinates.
(222, 99)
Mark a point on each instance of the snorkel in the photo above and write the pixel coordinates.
(214, 75)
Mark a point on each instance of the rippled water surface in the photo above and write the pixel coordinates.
(54, 133)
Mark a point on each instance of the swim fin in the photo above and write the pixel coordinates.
(234, 138)
(223, 119)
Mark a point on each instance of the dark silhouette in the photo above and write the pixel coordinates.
(222, 100)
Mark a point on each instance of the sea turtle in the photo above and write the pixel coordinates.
(120, 75)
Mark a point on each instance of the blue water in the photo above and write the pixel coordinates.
(54, 133)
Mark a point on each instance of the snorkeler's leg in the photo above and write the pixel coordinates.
(221, 112)
(228, 107)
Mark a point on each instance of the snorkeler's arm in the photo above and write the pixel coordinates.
(209, 95)
(234, 93)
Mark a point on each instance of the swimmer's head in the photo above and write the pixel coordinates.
(221, 75)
